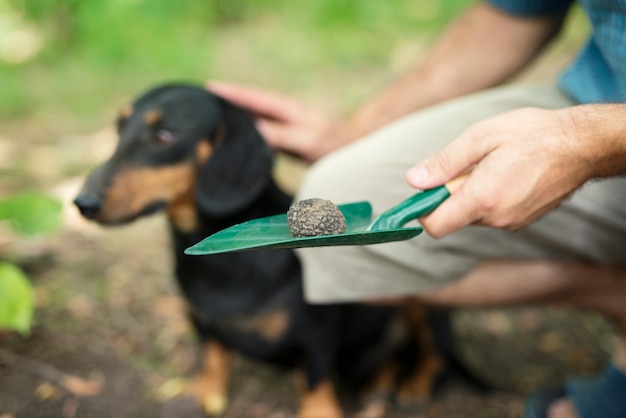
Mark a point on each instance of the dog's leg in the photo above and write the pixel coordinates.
(377, 398)
(210, 386)
(319, 401)
(420, 385)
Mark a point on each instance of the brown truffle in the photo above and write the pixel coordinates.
(313, 217)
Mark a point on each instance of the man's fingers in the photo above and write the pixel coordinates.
(276, 134)
(457, 211)
(456, 158)
(287, 138)
(260, 102)
(273, 132)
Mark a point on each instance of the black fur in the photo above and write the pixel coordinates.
(235, 185)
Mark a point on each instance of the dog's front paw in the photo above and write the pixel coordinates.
(375, 405)
(211, 396)
(320, 412)
(214, 405)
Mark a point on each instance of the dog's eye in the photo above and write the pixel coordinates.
(163, 137)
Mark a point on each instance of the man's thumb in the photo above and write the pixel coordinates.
(454, 159)
(435, 171)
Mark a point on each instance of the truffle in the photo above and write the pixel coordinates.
(313, 217)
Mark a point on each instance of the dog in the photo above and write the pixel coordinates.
(200, 159)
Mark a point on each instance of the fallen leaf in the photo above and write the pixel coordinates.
(170, 389)
(47, 392)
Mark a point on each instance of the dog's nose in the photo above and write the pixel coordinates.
(88, 205)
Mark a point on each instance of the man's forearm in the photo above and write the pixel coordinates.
(600, 131)
(482, 48)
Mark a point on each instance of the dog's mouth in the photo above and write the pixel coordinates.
(150, 209)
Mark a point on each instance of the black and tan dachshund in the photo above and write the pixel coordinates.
(200, 158)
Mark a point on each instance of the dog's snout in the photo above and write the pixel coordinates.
(88, 205)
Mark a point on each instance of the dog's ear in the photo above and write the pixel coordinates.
(239, 168)
(122, 118)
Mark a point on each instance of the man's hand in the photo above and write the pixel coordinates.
(287, 124)
(523, 164)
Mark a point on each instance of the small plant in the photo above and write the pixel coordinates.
(28, 214)
(16, 299)
(31, 213)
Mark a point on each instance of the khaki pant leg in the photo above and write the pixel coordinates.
(373, 169)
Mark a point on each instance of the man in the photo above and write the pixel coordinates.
(531, 151)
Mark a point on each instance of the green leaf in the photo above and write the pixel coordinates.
(16, 299)
(31, 213)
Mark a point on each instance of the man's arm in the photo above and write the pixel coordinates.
(524, 163)
(482, 48)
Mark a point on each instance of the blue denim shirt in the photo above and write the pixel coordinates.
(598, 75)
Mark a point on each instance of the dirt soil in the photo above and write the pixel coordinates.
(108, 312)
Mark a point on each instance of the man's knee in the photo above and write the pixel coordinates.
(335, 177)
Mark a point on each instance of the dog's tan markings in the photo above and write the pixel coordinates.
(273, 325)
(210, 386)
(126, 112)
(203, 151)
(136, 188)
(152, 116)
(419, 386)
(320, 401)
(183, 213)
(384, 379)
(269, 326)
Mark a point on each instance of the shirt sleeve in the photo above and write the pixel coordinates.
(532, 7)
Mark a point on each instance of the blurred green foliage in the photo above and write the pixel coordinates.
(16, 299)
(75, 56)
(29, 214)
